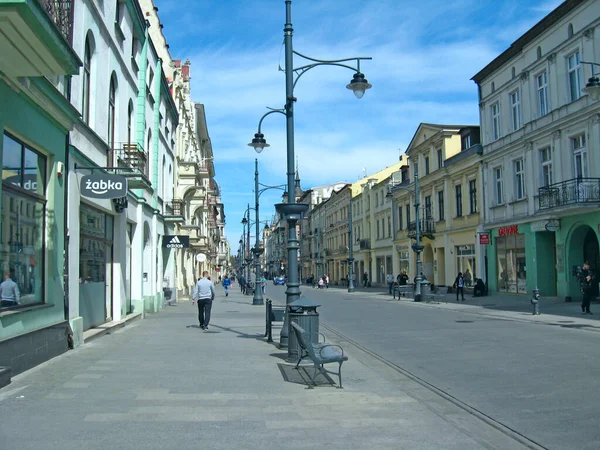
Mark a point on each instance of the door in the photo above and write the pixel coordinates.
(591, 253)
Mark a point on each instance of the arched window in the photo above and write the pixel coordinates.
(87, 68)
(514, 72)
(539, 52)
(493, 87)
(112, 100)
(570, 31)
(129, 122)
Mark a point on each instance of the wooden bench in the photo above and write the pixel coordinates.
(320, 354)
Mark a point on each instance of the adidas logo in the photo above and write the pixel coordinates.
(175, 240)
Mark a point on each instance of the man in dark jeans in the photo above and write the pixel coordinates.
(204, 294)
(586, 279)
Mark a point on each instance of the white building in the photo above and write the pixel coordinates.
(541, 162)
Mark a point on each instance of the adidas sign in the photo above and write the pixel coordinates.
(176, 241)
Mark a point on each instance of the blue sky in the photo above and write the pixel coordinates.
(424, 55)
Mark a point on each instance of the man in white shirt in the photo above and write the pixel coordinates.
(9, 291)
(204, 293)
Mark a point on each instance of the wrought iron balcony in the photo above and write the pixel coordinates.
(130, 160)
(426, 228)
(61, 13)
(577, 191)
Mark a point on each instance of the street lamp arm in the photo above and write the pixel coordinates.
(272, 110)
(303, 69)
(281, 187)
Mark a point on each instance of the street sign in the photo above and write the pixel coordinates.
(484, 238)
(103, 185)
(175, 241)
(553, 226)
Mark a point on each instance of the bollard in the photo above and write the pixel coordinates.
(267, 317)
(535, 301)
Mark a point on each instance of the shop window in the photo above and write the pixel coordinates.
(404, 261)
(512, 274)
(465, 260)
(24, 210)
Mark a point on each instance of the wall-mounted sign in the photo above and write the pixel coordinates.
(176, 241)
(103, 185)
(508, 231)
(553, 225)
(484, 238)
(200, 257)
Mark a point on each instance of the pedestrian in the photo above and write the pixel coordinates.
(204, 294)
(321, 283)
(243, 284)
(389, 278)
(459, 285)
(586, 281)
(327, 281)
(10, 294)
(365, 279)
(226, 283)
(402, 279)
(263, 285)
(467, 277)
(479, 289)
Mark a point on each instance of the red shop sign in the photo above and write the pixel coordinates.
(509, 230)
(484, 238)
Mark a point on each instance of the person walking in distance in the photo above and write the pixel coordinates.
(459, 285)
(587, 279)
(205, 294)
(389, 279)
(365, 279)
(226, 283)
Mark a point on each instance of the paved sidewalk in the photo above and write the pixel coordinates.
(162, 383)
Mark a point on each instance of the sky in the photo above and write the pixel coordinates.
(424, 56)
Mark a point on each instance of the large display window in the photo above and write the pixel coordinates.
(512, 272)
(22, 225)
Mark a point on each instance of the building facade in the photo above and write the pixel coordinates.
(445, 159)
(541, 162)
(37, 64)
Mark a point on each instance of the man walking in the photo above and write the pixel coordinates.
(204, 294)
(459, 285)
(389, 279)
(9, 291)
(586, 281)
(226, 283)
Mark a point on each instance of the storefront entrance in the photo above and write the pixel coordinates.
(512, 271)
(582, 246)
(591, 254)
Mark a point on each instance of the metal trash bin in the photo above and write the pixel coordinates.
(425, 288)
(304, 312)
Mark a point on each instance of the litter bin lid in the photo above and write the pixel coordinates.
(304, 303)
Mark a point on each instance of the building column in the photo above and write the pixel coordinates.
(119, 266)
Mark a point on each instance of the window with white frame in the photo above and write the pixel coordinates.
(542, 93)
(498, 186)
(472, 196)
(440, 160)
(427, 165)
(574, 71)
(441, 205)
(458, 198)
(578, 146)
(496, 130)
(515, 109)
(546, 163)
(519, 179)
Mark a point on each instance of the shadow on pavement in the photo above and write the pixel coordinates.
(301, 375)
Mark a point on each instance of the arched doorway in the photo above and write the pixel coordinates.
(583, 246)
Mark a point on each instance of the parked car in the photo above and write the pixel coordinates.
(279, 280)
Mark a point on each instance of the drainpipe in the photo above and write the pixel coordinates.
(156, 133)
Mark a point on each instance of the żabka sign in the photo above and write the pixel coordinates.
(103, 186)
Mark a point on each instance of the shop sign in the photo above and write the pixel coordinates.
(508, 231)
(484, 238)
(177, 241)
(103, 185)
(553, 225)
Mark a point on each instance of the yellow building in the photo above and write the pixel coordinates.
(446, 160)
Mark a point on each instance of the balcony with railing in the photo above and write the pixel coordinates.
(131, 161)
(574, 192)
(175, 210)
(426, 228)
(37, 38)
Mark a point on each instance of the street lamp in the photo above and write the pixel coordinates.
(291, 210)
(592, 88)
(417, 247)
(258, 299)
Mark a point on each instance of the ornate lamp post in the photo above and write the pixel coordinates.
(291, 210)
